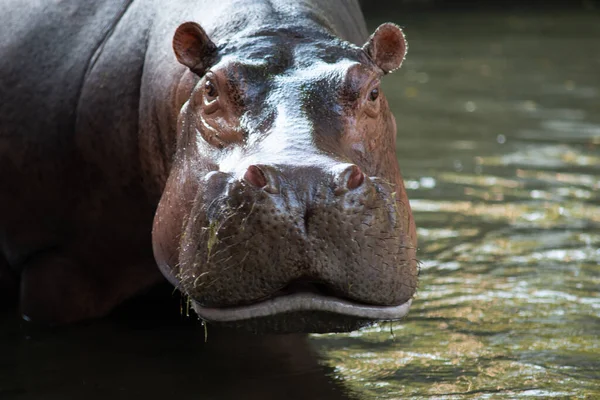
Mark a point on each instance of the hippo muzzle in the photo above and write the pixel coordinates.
(285, 209)
(283, 240)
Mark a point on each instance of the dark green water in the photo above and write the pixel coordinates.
(499, 142)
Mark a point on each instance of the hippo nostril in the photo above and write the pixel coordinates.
(347, 177)
(355, 177)
(255, 176)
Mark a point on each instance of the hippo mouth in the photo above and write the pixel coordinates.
(303, 297)
(296, 262)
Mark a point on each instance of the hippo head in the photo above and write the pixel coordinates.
(285, 209)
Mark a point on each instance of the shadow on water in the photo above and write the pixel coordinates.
(145, 357)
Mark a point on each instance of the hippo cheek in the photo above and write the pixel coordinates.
(249, 254)
(174, 212)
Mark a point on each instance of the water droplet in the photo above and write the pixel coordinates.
(536, 194)
(458, 165)
(427, 182)
(422, 77)
(411, 185)
(569, 85)
(411, 75)
(501, 139)
(530, 105)
(485, 70)
(411, 92)
(470, 106)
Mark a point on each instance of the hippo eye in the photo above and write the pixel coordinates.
(210, 91)
(371, 105)
(374, 94)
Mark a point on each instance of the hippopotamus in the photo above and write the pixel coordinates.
(242, 149)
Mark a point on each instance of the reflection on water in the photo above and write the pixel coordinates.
(500, 145)
(499, 120)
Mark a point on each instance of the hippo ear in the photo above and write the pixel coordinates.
(193, 48)
(387, 47)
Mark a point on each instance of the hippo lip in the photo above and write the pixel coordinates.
(302, 302)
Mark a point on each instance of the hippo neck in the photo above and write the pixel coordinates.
(167, 85)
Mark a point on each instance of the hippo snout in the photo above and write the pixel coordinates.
(296, 238)
(293, 194)
(345, 177)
